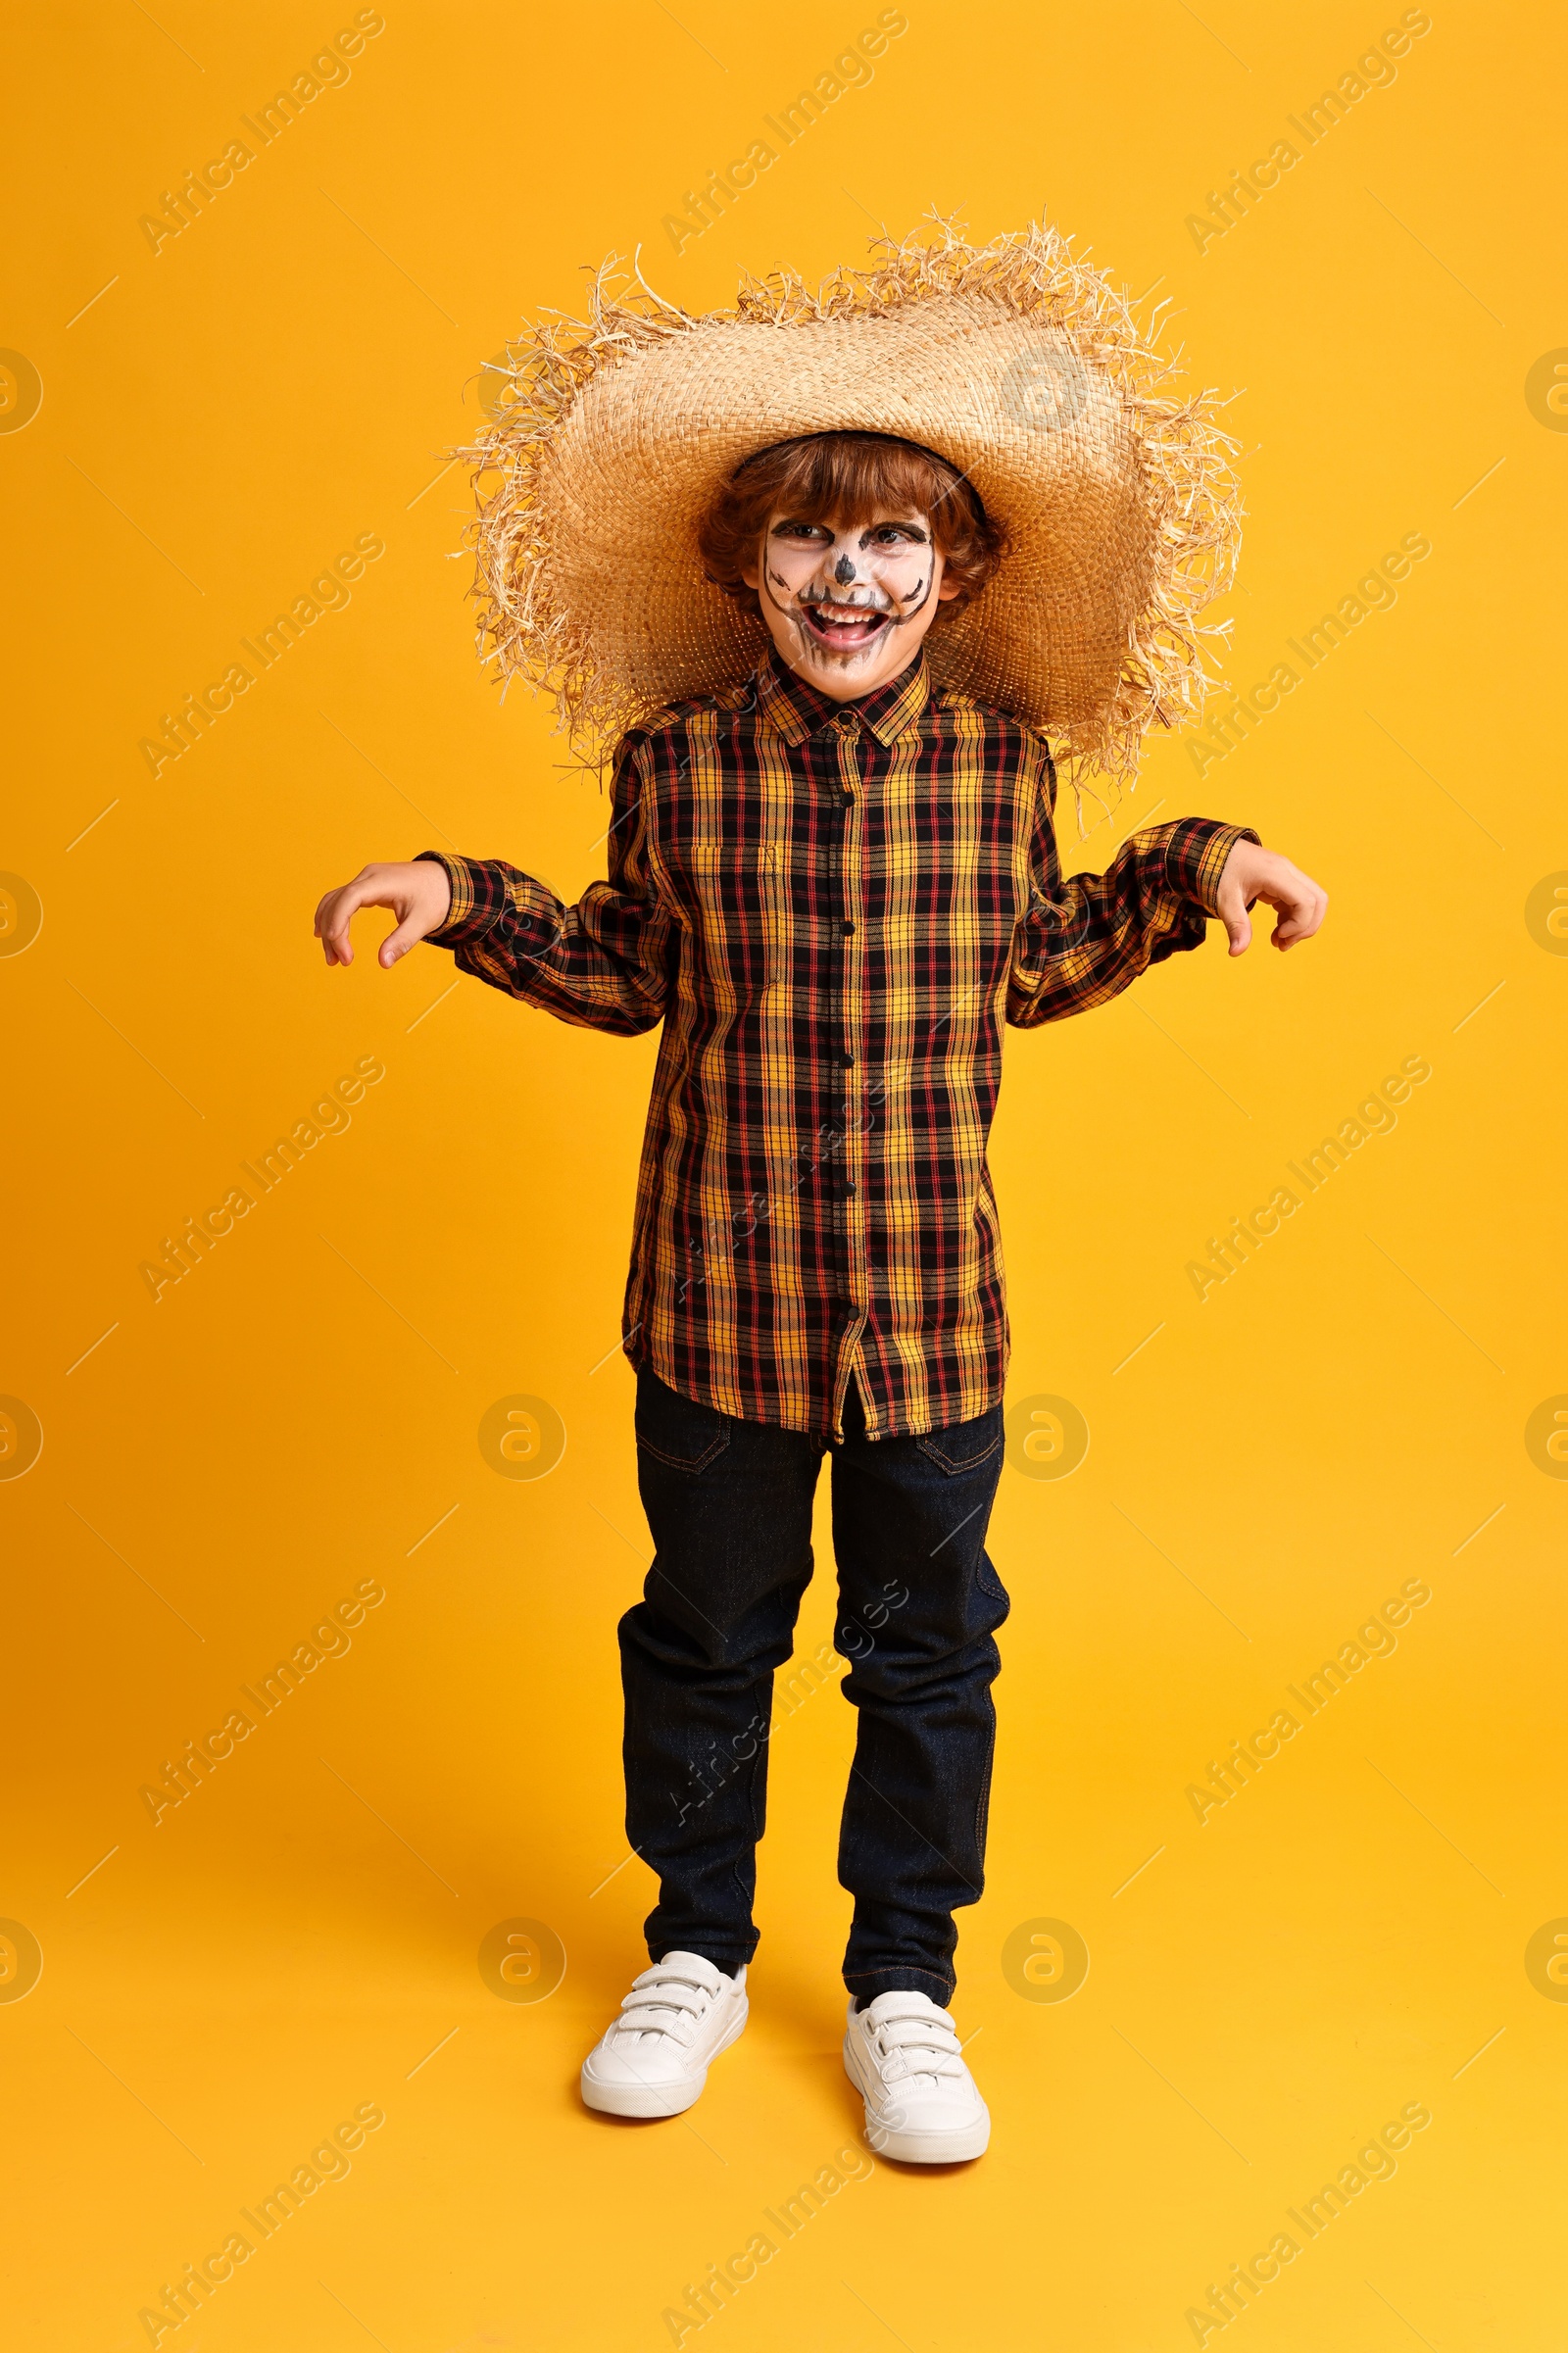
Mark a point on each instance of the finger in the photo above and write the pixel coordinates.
(1233, 914)
(325, 925)
(1302, 914)
(409, 933)
(336, 944)
(338, 909)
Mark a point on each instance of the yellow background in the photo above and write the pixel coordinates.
(218, 420)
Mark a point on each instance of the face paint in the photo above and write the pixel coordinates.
(847, 608)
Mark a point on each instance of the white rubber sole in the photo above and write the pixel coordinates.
(908, 2145)
(653, 2099)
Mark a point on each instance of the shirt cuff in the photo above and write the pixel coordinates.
(1195, 856)
(479, 899)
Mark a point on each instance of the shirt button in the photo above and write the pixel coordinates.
(848, 1061)
(845, 927)
(849, 1184)
(848, 800)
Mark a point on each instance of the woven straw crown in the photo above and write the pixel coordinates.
(1020, 364)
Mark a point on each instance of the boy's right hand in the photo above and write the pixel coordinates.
(419, 893)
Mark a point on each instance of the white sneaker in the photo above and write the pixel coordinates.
(653, 2060)
(922, 2105)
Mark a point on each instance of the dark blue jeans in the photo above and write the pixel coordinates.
(729, 1504)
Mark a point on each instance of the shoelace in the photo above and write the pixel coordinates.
(667, 1990)
(901, 2034)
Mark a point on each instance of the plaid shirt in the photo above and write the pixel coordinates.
(833, 907)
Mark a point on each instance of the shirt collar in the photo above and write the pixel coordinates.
(798, 710)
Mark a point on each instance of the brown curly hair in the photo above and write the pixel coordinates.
(849, 480)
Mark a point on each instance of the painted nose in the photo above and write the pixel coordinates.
(843, 571)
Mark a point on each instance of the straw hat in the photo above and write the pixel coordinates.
(1017, 362)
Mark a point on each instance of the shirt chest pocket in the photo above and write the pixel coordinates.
(734, 899)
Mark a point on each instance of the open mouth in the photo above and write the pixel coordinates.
(844, 627)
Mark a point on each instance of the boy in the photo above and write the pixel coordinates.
(833, 877)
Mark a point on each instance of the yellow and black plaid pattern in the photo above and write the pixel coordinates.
(834, 908)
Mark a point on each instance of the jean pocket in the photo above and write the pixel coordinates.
(964, 1446)
(679, 1431)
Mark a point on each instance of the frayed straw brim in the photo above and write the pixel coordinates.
(1020, 364)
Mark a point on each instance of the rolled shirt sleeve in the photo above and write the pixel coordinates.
(604, 963)
(1083, 941)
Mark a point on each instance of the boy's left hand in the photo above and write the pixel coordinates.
(1252, 873)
